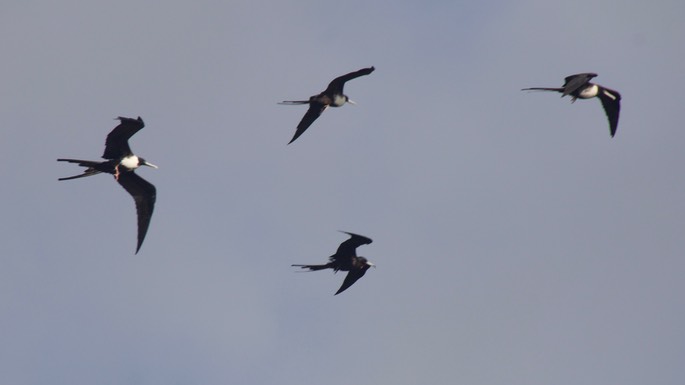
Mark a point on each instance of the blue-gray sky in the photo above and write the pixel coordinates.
(516, 242)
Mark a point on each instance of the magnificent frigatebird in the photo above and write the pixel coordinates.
(332, 97)
(346, 259)
(579, 87)
(122, 163)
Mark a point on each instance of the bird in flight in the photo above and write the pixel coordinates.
(331, 97)
(579, 87)
(121, 163)
(346, 259)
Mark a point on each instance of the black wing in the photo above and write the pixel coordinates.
(574, 82)
(351, 277)
(348, 249)
(611, 101)
(144, 194)
(314, 111)
(116, 145)
(336, 86)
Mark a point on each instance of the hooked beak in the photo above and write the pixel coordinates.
(149, 164)
(352, 102)
(371, 264)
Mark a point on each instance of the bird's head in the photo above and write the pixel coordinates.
(348, 100)
(366, 263)
(143, 162)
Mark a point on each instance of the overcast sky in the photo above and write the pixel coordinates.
(516, 242)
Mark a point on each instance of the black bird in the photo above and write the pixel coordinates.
(122, 163)
(332, 97)
(579, 87)
(346, 259)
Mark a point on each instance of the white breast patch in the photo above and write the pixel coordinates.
(130, 162)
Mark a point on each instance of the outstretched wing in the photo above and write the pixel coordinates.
(337, 84)
(315, 110)
(348, 250)
(611, 101)
(574, 82)
(351, 277)
(144, 194)
(116, 145)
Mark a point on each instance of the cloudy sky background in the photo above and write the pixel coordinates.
(516, 242)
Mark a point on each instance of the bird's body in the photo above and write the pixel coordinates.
(122, 163)
(332, 96)
(578, 86)
(346, 259)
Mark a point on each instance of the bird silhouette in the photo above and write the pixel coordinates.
(331, 97)
(346, 259)
(121, 162)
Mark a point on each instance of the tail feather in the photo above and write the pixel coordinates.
(88, 172)
(83, 163)
(313, 267)
(294, 102)
(543, 89)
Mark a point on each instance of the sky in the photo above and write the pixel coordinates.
(516, 242)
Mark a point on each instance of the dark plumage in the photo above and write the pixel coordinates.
(331, 97)
(579, 87)
(121, 163)
(346, 259)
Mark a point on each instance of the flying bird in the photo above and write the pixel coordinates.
(332, 97)
(346, 259)
(121, 163)
(579, 87)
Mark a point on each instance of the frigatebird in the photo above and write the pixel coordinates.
(579, 87)
(121, 163)
(346, 259)
(331, 97)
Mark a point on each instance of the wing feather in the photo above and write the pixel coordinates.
(347, 250)
(315, 110)
(144, 194)
(337, 84)
(351, 277)
(611, 101)
(116, 144)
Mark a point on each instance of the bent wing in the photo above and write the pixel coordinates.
(352, 277)
(611, 101)
(347, 251)
(144, 194)
(315, 110)
(116, 144)
(337, 84)
(574, 82)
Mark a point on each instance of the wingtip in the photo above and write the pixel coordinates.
(297, 135)
(356, 235)
(139, 120)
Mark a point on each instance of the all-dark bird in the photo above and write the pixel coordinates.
(346, 259)
(332, 97)
(579, 87)
(121, 163)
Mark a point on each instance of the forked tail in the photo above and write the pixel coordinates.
(543, 89)
(83, 163)
(313, 267)
(294, 102)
